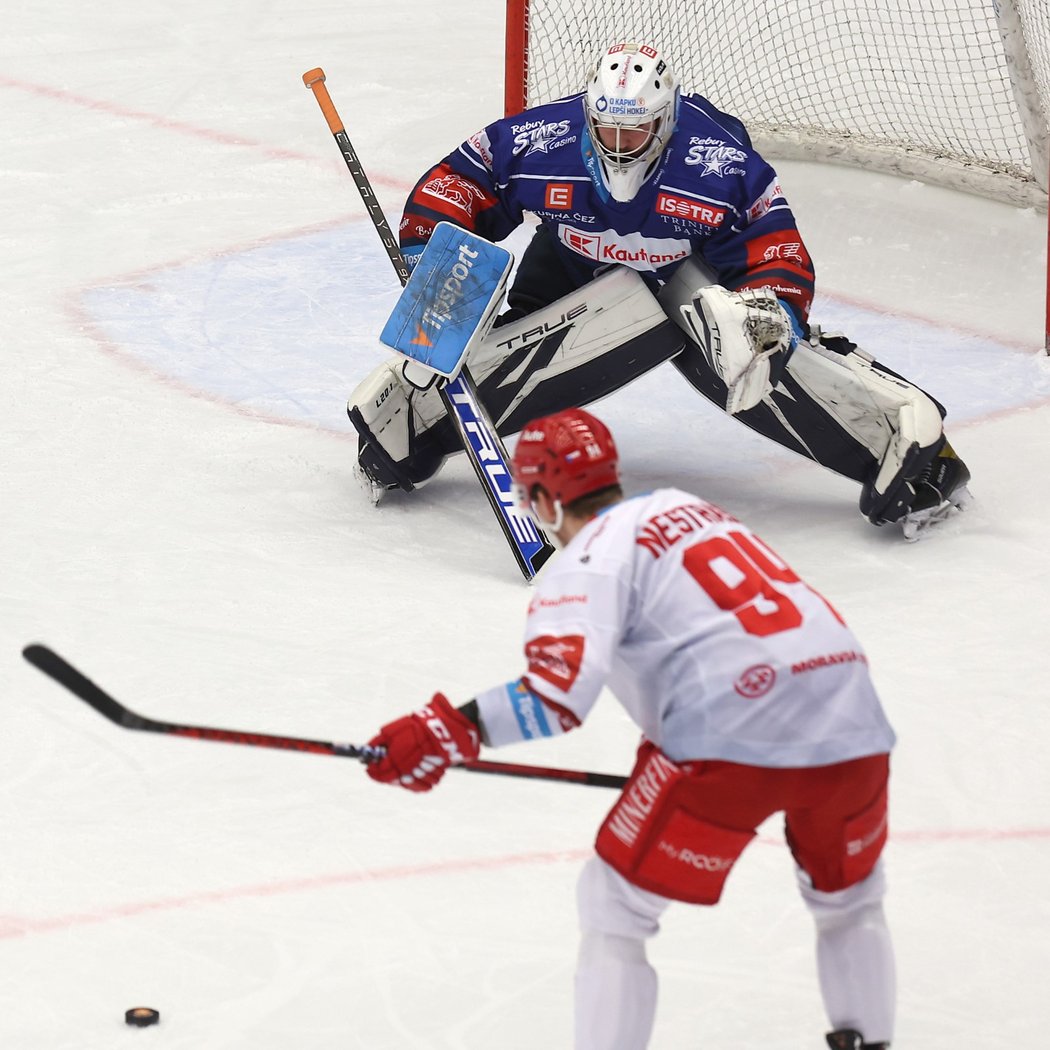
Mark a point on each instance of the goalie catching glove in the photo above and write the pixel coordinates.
(739, 334)
(419, 747)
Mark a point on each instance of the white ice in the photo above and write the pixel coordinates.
(190, 290)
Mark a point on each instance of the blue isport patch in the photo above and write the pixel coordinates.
(528, 710)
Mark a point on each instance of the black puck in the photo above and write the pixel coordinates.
(141, 1016)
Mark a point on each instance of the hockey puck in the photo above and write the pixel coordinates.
(141, 1016)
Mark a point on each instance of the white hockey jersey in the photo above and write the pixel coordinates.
(713, 645)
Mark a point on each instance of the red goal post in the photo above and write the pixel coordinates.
(950, 92)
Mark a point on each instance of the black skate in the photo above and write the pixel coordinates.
(851, 1039)
(940, 493)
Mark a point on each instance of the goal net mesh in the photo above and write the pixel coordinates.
(923, 87)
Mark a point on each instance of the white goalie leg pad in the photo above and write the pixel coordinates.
(396, 401)
(881, 411)
(580, 332)
(577, 349)
(916, 429)
(899, 424)
(738, 333)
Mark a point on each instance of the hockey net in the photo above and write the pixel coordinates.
(953, 92)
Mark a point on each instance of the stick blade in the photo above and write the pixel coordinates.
(55, 667)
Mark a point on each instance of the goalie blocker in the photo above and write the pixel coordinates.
(818, 395)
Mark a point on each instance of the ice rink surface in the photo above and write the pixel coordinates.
(190, 291)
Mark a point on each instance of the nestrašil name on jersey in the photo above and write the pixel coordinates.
(664, 530)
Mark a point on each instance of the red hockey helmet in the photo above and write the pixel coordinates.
(571, 454)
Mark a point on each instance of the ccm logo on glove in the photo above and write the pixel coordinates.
(421, 746)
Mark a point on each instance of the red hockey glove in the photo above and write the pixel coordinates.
(420, 746)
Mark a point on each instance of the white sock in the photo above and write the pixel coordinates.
(615, 994)
(855, 961)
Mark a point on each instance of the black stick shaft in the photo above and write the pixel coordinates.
(65, 674)
(314, 80)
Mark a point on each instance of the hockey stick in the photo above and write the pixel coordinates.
(63, 672)
(483, 445)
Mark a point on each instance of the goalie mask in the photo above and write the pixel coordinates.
(571, 454)
(631, 108)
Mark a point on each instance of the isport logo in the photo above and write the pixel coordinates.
(451, 291)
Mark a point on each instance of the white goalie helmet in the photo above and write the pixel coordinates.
(632, 108)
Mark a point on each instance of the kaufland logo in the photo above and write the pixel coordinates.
(582, 243)
(684, 208)
(771, 195)
(629, 249)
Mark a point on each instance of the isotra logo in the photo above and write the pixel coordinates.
(683, 208)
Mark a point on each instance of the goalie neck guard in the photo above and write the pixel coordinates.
(571, 454)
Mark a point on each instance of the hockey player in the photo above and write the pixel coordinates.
(752, 695)
(662, 236)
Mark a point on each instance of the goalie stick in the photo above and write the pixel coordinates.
(483, 445)
(63, 672)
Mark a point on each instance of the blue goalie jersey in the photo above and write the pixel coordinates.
(711, 195)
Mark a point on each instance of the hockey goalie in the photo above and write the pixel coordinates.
(663, 236)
